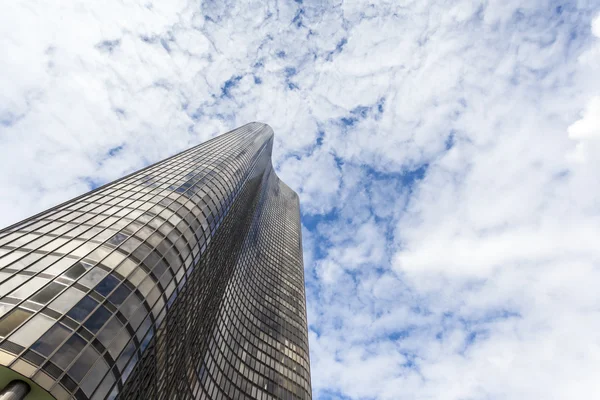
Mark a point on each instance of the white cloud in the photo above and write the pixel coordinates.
(586, 131)
(596, 26)
(449, 241)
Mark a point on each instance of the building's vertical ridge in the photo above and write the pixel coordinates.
(182, 280)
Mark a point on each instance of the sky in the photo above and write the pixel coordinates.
(446, 154)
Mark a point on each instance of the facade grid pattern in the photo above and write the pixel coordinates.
(182, 280)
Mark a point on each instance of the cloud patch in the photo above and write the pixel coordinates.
(445, 155)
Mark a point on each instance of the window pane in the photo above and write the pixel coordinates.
(4, 308)
(97, 320)
(28, 288)
(113, 336)
(12, 320)
(48, 293)
(83, 363)
(124, 358)
(96, 375)
(12, 283)
(117, 239)
(82, 309)
(51, 339)
(77, 270)
(107, 285)
(69, 351)
(104, 387)
(119, 295)
(94, 276)
(130, 245)
(26, 261)
(130, 306)
(67, 300)
(32, 330)
(59, 267)
(43, 263)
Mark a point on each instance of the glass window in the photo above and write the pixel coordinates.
(97, 320)
(84, 249)
(142, 252)
(77, 270)
(119, 295)
(130, 244)
(159, 268)
(51, 339)
(144, 338)
(153, 296)
(119, 342)
(137, 276)
(114, 337)
(4, 275)
(12, 283)
(42, 263)
(67, 353)
(137, 319)
(98, 254)
(113, 259)
(124, 358)
(146, 286)
(26, 261)
(67, 300)
(94, 377)
(4, 308)
(82, 309)
(126, 267)
(165, 279)
(29, 287)
(94, 276)
(12, 320)
(130, 306)
(32, 330)
(107, 285)
(48, 293)
(104, 387)
(83, 363)
(59, 267)
(117, 239)
(151, 259)
(9, 258)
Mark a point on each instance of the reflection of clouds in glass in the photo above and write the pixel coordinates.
(83, 308)
(12, 283)
(67, 300)
(113, 336)
(30, 332)
(93, 378)
(93, 276)
(4, 308)
(28, 288)
(51, 339)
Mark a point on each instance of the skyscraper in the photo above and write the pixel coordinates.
(183, 280)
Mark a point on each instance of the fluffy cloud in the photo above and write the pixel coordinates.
(586, 131)
(445, 154)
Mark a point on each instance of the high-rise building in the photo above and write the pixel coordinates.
(183, 280)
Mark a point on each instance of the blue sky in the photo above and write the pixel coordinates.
(445, 153)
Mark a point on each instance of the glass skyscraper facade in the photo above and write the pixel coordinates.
(183, 280)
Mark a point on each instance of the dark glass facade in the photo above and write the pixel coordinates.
(181, 281)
